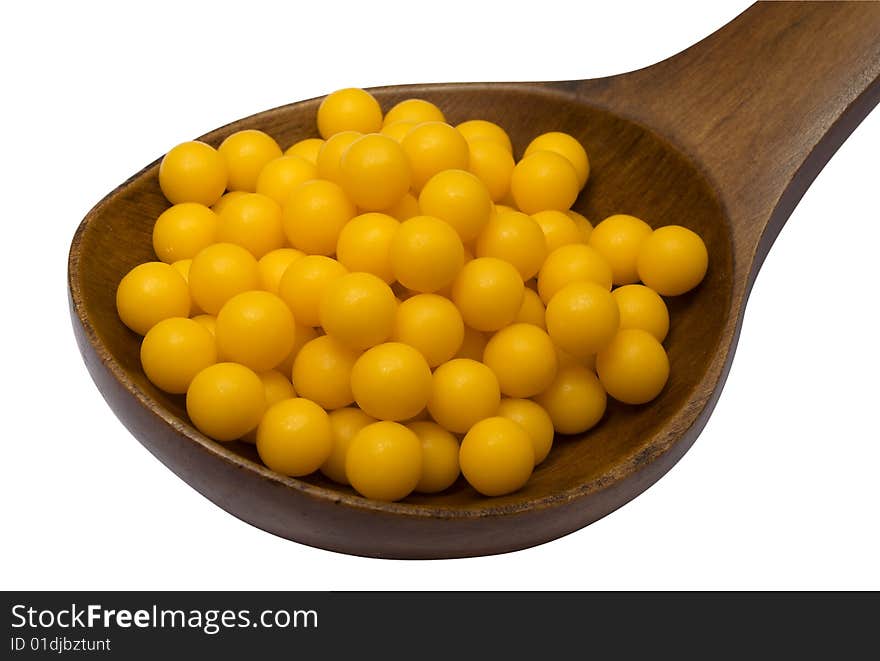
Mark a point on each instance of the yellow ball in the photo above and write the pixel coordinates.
(523, 358)
(431, 324)
(619, 239)
(473, 345)
(349, 109)
(246, 153)
(193, 172)
(439, 457)
(517, 239)
(459, 199)
(426, 254)
(559, 229)
(544, 180)
(225, 199)
(183, 266)
(497, 456)
(182, 230)
(225, 401)
(492, 164)
(273, 264)
(149, 293)
(407, 207)
(374, 172)
(277, 388)
(252, 221)
(575, 400)
(391, 381)
(219, 272)
(279, 177)
(397, 130)
(433, 147)
(256, 329)
(634, 367)
(585, 227)
(534, 419)
(673, 260)
(306, 149)
(532, 310)
(365, 244)
(301, 336)
(641, 307)
(488, 292)
(344, 425)
(322, 372)
(416, 111)
(294, 437)
(582, 318)
(174, 351)
(575, 262)
(566, 146)
(303, 285)
(358, 310)
(384, 461)
(480, 129)
(329, 161)
(314, 215)
(464, 392)
(208, 322)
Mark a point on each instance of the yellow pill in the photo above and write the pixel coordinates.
(252, 221)
(532, 310)
(565, 359)
(208, 322)
(183, 266)
(384, 461)
(193, 172)
(459, 199)
(322, 372)
(641, 307)
(566, 146)
(582, 318)
(279, 177)
(523, 358)
(407, 207)
(365, 244)
(277, 388)
(397, 130)
(329, 161)
(301, 336)
(634, 367)
(480, 129)
(174, 351)
(584, 226)
(349, 109)
(417, 111)
(358, 310)
(182, 230)
(303, 285)
(497, 456)
(619, 239)
(431, 324)
(673, 260)
(315, 214)
(391, 381)
(374, 172)
(534, 419)
(426, 254)
(439, 457)
(544, 180)
(559, 229)
(574, 262)
(225, 199)
(225, 401)
(464, 392)
(256, 329)
(306, 149)
(433, 147)
(219, 272)
(294, 437)
(575, 400)
(473, 345)
(149, 293)
(273, 264)
(344, 425)
(488, 292)
(517, 239)
(492, 164)
(246, 153)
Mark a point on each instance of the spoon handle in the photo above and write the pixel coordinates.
(762, 104)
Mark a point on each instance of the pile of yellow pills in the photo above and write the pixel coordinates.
(401, 302)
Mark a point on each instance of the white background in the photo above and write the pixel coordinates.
(780, 491)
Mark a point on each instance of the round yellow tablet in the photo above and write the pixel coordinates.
(193, 172)
(582, 318)
(256, 329)
(634, 367)
(497, 456)
(439, 456)
(279, 177)
(349, 109)
(488, 292)
(208, 322)
(431, 324)
(219, 272)
(225, 401)
(575, 400)
(384, 461)
(566, 146)
(307, 149)
(374, 172)
(544, 180)
(397, 130)
(294, 437)
(273, 264)
(407, 207)
(426, 254)
(559, 228)
(303, 285)
(492, 164)
(329, 160)
(523, 358)
(641, 307)
(575, 262)
(517, 239)
(301, 336)
(314, 215)
(246, 153)
(416, 111)
(174, 351)
(464, 392)
(182, 266)
(358, 309)
(458, 198)
(322, 372)
(391, 381)
(585, 227)
(673, 260)
(225, 199)
(532, 310)
(344, 424)
(365, 244)
(149, 293)
(473, 345)
(619, 239)
(534, 419)
(182, 230)
(252, 221)
(480, 129)
(277, 387)
(432, 147)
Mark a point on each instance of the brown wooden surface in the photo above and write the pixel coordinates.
(723, 138)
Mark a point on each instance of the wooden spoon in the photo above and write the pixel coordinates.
(723, 138)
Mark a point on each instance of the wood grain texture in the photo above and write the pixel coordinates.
(723, 138)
